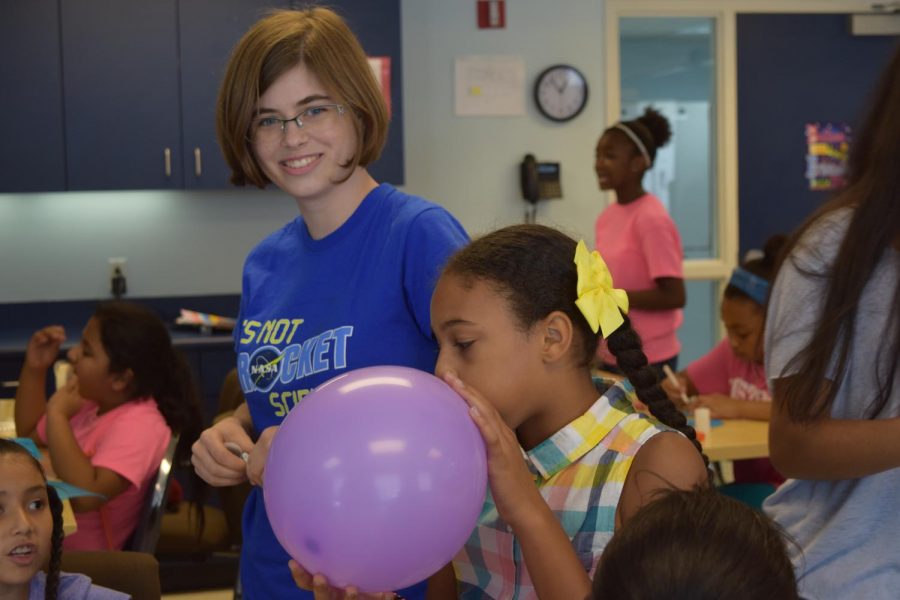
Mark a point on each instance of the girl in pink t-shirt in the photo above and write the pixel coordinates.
(730, 379)
(638, 239)
(107, 428)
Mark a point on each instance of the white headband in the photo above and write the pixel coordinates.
(637, 141)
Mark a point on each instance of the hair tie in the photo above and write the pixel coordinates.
(753, 285)
(598, 301)
(637, 141)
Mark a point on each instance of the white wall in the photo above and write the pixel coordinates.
(55, 246)
(470, 164)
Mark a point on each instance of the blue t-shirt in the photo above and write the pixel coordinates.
(314, 309)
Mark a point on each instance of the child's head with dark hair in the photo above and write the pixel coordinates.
(744, 301)
(697, 545)
(30, 521)
(628, 148)
(125, 354)
(531, 270)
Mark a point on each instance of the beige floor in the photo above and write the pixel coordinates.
(204, 595)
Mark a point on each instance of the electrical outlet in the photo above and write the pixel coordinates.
(118, 285)
(119, 262)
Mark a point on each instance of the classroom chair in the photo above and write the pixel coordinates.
(146, 535)
(222, 525)
(135, 573)
(194, 560)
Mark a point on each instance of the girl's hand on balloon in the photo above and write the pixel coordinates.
(318, 585)
(213, 461)
(256, 461)
(512, 484)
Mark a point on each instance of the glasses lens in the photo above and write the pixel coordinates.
(265, 128)
(314, 118)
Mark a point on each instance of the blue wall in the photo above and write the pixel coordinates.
(793, 70)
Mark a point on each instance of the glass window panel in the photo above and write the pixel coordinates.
(699, 331)
(669, 62)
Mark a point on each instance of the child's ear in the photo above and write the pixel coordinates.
(557, 331)
(638, 163)
(121, 381)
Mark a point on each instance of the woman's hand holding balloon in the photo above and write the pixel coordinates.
(256, 461)
(318, 585)
(512, 484)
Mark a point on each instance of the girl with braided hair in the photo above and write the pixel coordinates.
(518, 315)
(638, 238)
(31, 534)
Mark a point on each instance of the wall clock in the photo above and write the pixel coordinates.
(560, 91)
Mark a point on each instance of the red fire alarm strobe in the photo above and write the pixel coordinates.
(491, 14)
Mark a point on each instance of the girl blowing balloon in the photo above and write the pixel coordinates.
(518, 314)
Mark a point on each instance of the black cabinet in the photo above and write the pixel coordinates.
(31, 108)
(120, 94)
(120, 76)
(140, 90)
(208, 30)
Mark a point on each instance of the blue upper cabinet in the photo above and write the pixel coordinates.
(31, 106)
(115, 95)
(208, 31)
(377, 25)
(120, 76)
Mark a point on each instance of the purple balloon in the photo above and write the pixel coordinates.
(376, 479)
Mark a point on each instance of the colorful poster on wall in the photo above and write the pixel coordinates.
(826, 157)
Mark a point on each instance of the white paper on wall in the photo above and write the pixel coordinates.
(489, 86)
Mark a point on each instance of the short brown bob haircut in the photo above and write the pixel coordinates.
(319, 39)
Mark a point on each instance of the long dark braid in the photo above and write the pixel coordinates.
(533, 267)
(56, 509)
(625, 344)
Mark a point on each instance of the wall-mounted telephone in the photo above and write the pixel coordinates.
(540, 180)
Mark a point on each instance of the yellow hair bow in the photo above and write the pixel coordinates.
(597, 300)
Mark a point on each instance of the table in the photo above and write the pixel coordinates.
(737, 439)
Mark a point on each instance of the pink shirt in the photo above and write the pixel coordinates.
(131, 440)
(640, 243)
(720, 371)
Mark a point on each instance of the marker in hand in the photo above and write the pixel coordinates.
(236, 450)
(674, 381)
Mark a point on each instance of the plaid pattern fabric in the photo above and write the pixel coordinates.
(580, 471)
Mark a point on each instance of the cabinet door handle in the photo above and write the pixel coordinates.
(167, 155)
(198, 163)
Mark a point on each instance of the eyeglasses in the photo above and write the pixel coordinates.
(315, 118)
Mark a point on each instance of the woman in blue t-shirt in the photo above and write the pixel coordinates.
(345, 285)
